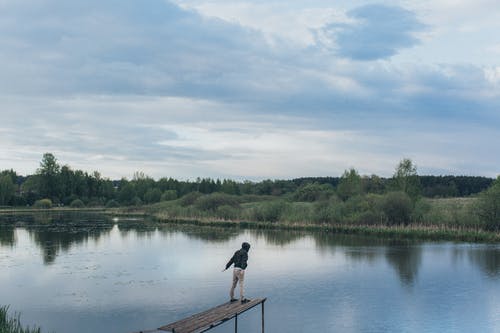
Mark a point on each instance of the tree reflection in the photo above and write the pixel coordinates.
(278, 237)
(54, 232)
(406, 260)
(487, 259)
(208, 234)
(7, 237)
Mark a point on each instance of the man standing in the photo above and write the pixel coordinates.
(239, 260)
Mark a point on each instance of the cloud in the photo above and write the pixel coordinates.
(376, 32)
(124, 85)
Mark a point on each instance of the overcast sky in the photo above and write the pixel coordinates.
(250, 89)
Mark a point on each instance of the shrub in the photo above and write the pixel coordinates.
(112, 204)
(422, 208)
(227, 212)
(488, 206)
(213, 201)
(43, 204)
(77, 203)
(152, 195)
(190, 198)
(397, 207)
(327, 212)
(169, 195)
(96, 202)
(270, 211)
(136, 201)
(313, 192)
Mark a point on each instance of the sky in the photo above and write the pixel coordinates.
(250, 89)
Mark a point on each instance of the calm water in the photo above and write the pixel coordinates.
(74, 273)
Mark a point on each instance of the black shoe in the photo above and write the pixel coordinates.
(232, 300)
(245, 300)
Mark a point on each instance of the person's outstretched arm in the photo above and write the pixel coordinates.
(230, 262)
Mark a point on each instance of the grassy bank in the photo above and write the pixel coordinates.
(421, 232)
(21, 210)
(12, 323)
(433, 219)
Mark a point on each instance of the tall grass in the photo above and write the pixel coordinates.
(12, 323)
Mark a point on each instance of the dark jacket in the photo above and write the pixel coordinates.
(239, 258)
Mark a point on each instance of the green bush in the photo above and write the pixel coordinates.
(488, 206)
(152, 196)
(210, 202)
(136, 201)
(190, 198)
(43, 204)
(397, 207)
(313, 192)
(328, 212)
(77, 203)
(269, 211)
(112, 204)
(169, 195)
(227, 212)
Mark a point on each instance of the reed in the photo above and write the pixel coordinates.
(12, 323)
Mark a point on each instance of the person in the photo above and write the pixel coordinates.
(239, 259)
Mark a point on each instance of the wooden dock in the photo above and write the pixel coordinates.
(206, 320)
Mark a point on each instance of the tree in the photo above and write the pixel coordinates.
(49, 171)
(350, 184)
(127, 192)
(7, 189)
(397, 207)
(406, 178)
(153, 195)
(488, 206)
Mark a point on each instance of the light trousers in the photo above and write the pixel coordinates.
(238, 277)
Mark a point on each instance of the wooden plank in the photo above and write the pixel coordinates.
(210, 318)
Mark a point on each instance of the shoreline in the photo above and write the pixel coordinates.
(410, 232)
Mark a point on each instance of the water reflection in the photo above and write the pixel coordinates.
(56, 232)
(487, 259)
(406, 260)
(7, 237)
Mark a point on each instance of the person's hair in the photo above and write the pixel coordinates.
(245, 246)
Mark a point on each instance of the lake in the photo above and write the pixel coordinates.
(92, 273)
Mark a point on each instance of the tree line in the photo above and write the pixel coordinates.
(55, 184)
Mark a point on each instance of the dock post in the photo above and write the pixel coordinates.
(236, 323)
(263, 317)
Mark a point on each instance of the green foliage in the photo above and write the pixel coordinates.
(397, 207)
(7, 189)
(488, 206)
(112, 204)
(136, 201)
(152, 195)
(268, 211)
(77, 203)
(190, 198)
(49, 171)
(227, 212)
(126, 193)
(420, 211)
(328, 212)
(313, 192)
(43, 204)
(169, 195)
(213, 201)
(350, 184)
(406, 178)
(12, 324)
